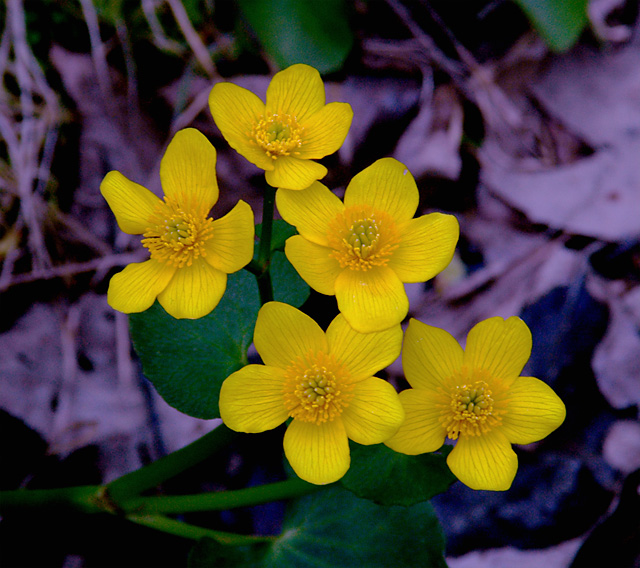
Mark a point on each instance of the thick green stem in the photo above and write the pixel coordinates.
(86, 498)
(221, 500)
(268, 206)
(264, 253)
(265, 288)
(148, 477)
(178, 528)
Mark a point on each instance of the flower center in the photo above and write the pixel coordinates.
(362, 238)
(176, 236)
(316, 389)
(472, 409)
(277, 134)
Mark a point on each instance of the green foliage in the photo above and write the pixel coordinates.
(187, 360)
(299, 31)
(335, 529)
(389, 478)
(559, 22)
(208, 553)
(281, 231)
(288, 286)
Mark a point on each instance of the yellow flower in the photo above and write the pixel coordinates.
(284, 135)
(363, 250)
(191, 254)
(476, 397)
(323, 381)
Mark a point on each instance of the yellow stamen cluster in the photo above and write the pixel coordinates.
(176, 236)
(277, 135)
(316, 389)
(471, 411)
(362, 239)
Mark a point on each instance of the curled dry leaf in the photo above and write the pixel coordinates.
(615, 360)
(431, 143)
(593, 96)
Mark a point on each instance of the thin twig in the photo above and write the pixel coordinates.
(454, 69)
(98, 52)
(188, 115)
(98, 264)
(193, 39)
(26, 134)
(130, 66)
(159, 37)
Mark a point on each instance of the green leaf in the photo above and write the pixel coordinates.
(559, 22)
(335, 529)
(288, 286)
(301, 31)
(187, 360)
(390, 478)
(280, 232)
(207, 553)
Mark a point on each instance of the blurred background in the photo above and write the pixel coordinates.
(520, 118)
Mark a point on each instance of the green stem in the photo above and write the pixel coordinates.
(86, 498)
(268, 206)
(265, 288)
(148, 477)
(220, 500)
(264, 253)
(186, 530)
(255, 268)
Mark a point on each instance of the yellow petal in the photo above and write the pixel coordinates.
(313, 263)
(131, 203)
(373, 300)
(231, 247)
(193, 291)
(421, 431)
(363, 354)
(297, 91)
(499, 346)
(426, 247)
(188, 171)
(283, 333)
(138, 285)
(386, 185)
(533, 411)
(235, 111)
(251, 399)
(292, 173)
(310, 210)
(484, 462)
(326, 130)
(374, 414)
(318, 453)
(430, 355)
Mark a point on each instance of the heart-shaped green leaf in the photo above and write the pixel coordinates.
(559, 22)
(335, 529)
(187, 360)
(301, 31)
(390, 478)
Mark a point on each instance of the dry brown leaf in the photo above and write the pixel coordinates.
(431, 143)
(519, 268)
(616, 360)
(594, 95)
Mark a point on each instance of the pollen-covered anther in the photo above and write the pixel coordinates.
(277, 134)
(316, 389)
(362, 239)
(471, 411)
(176, 236)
